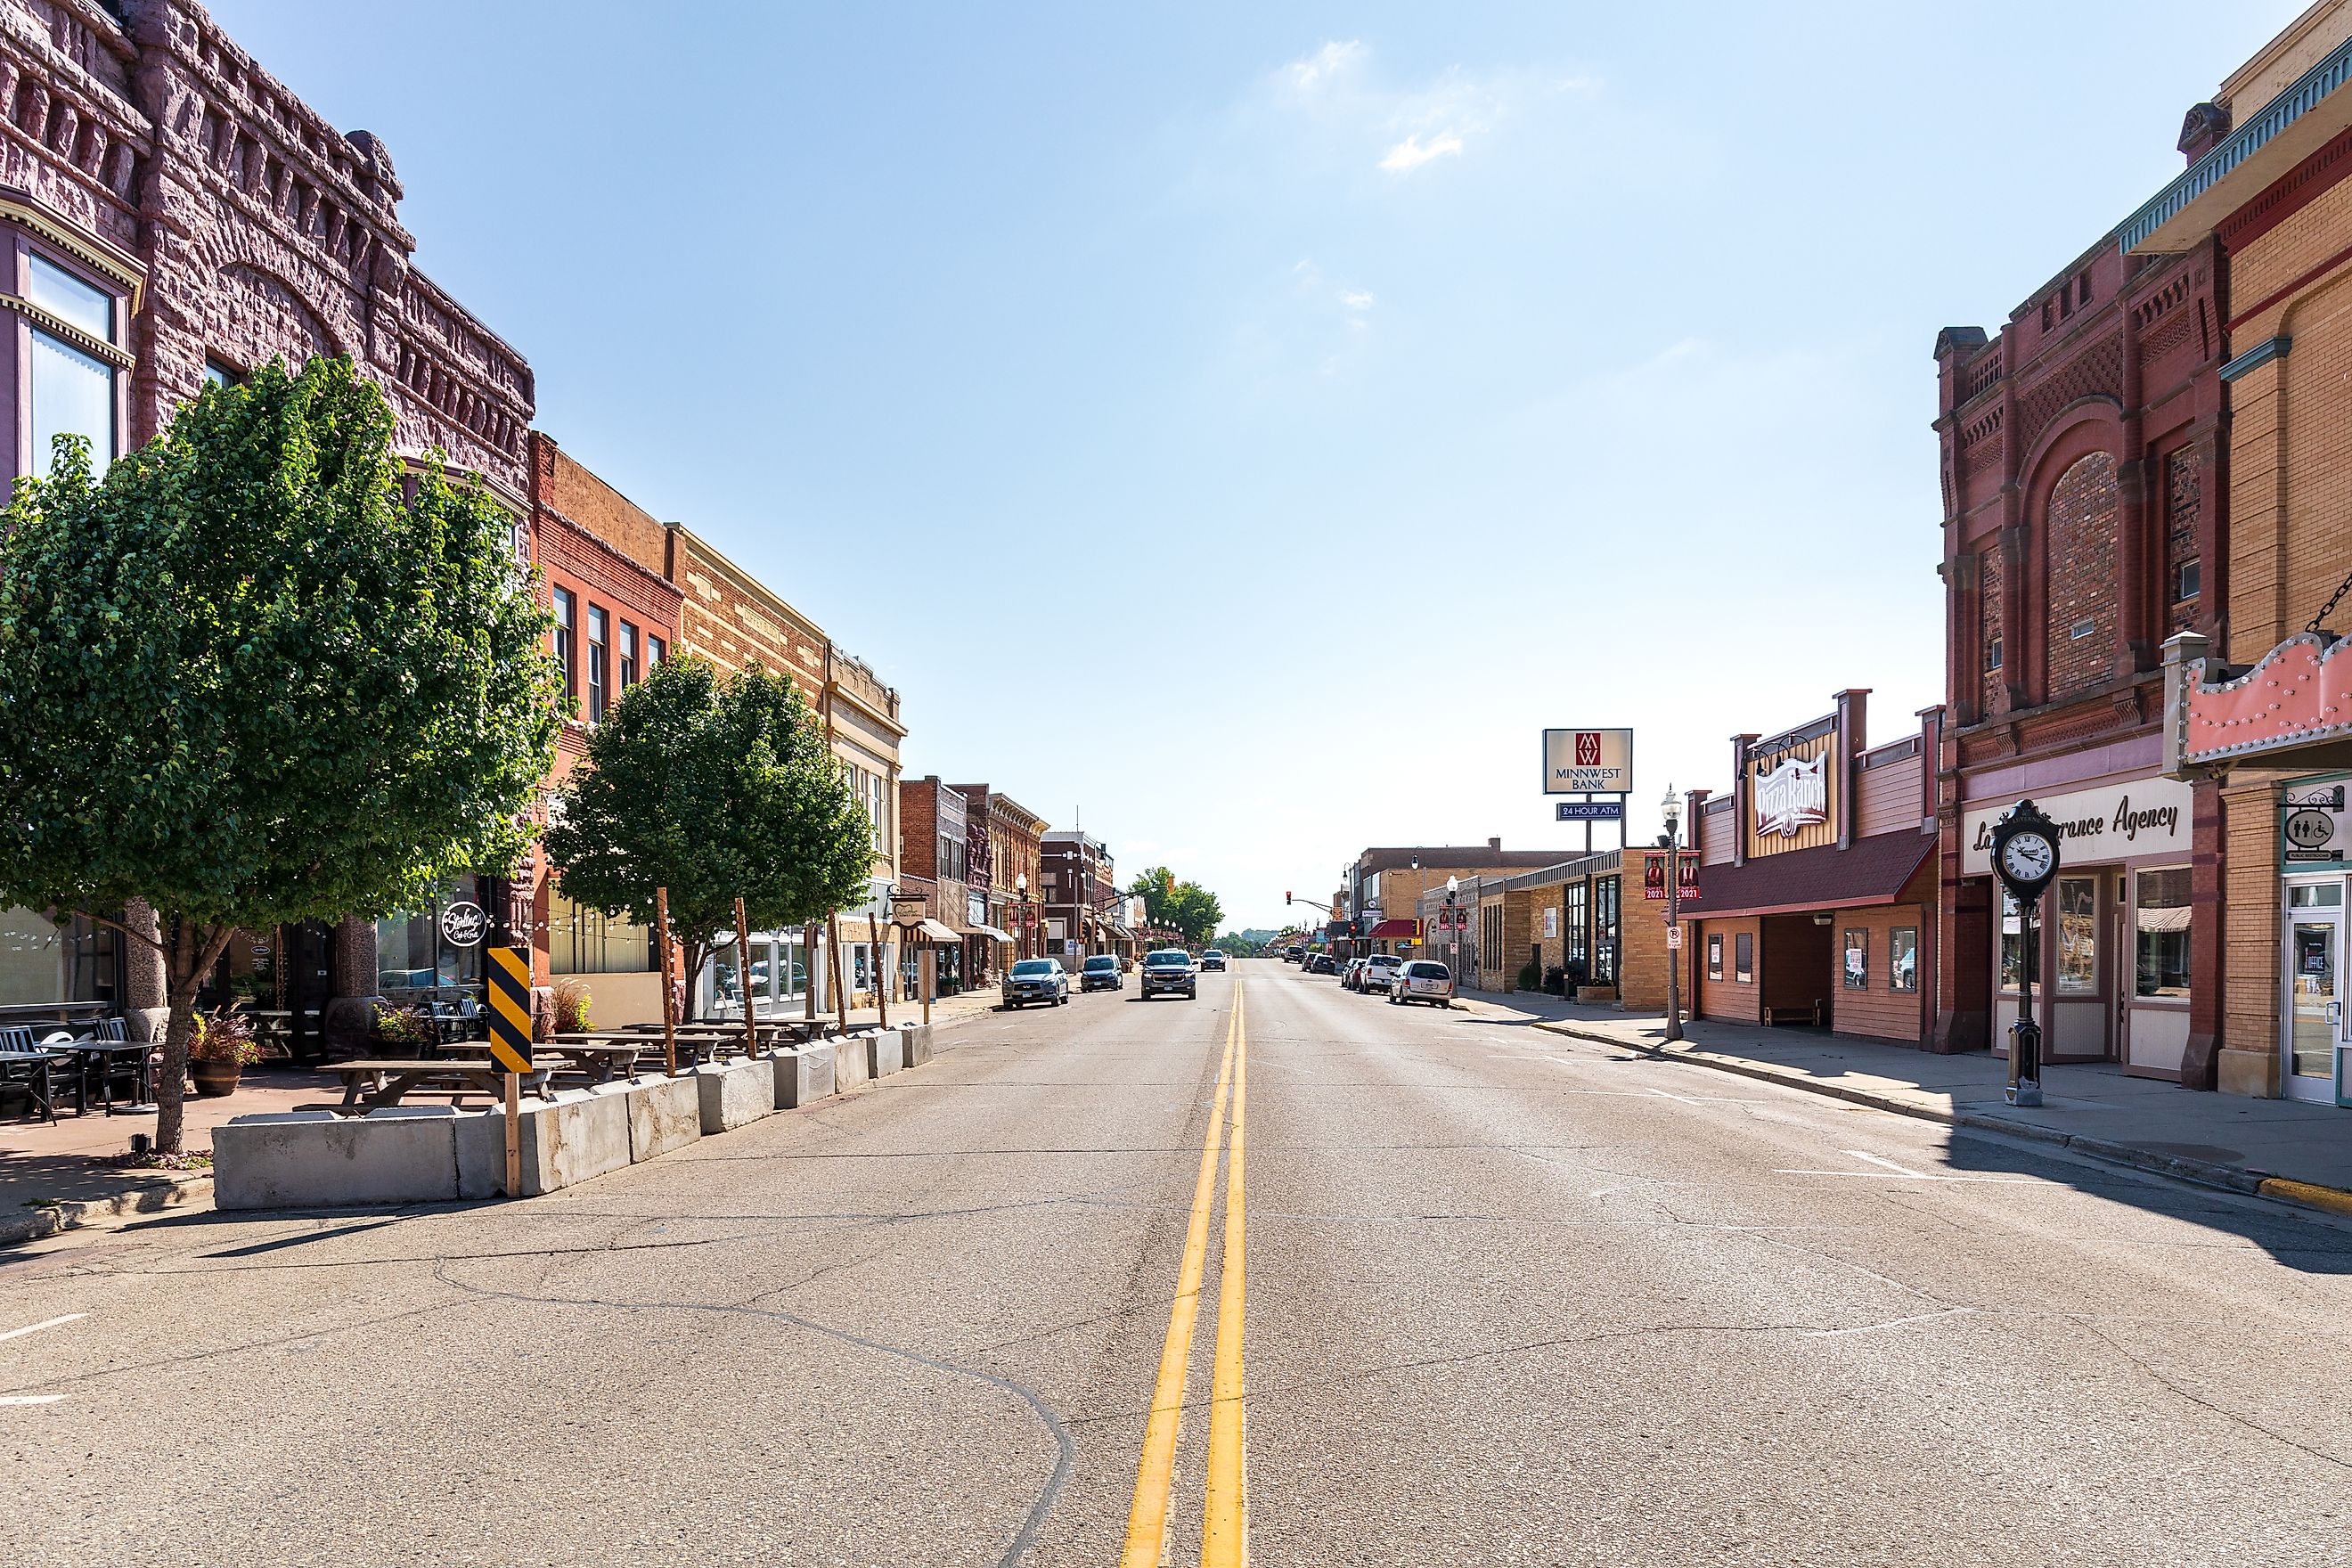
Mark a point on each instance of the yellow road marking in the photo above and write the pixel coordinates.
(1147, 1515)
(1224, 1536)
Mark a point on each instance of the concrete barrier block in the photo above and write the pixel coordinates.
(735, 1093)
(665, 1113)
(918, 1044)
(316, 1159)
(885, 1053)
(852, 1062)
(580, 1135)
(803, 1076)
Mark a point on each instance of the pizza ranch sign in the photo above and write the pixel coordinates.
(1792, 790)
(1792, 794)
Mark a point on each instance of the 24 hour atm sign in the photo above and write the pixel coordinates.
(1593, 761)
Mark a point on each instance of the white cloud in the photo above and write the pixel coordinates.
(1412, 152)
(1326, 64)
(1357, 298)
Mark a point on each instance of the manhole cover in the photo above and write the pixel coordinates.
(2212, 1152)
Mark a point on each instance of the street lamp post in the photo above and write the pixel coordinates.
(1453, 933)
(1673, 809)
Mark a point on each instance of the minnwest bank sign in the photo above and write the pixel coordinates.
(2145, 816)
(1588, 762)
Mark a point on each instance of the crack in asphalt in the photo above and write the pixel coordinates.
(1065, 1444)
(2248, 1422)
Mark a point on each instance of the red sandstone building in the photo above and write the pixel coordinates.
(172, 214)
(2080, 472)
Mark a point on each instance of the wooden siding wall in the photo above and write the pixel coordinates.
(1717, 833)
(1889, 798)
(1879, 1013)
(1726, 998)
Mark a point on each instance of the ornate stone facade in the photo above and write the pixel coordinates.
(259, 229)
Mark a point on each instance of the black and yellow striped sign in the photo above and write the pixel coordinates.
(510, 1008)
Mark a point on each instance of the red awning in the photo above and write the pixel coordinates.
(1392, 930)
(1873, 871)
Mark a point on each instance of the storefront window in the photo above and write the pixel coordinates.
(2078, 935)
(1857, 960)
(30, 966)
(436, 947)
(2160, 933)
(2018, 963)
(1714, 957)
(581, 941)
(73, 392)
(1579, 923)
(1743, 957)
(1902, 959)
(1605, 930)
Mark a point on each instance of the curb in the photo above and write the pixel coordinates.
(2203, 1172)
(46, 1220)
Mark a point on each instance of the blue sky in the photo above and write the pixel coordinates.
(1253, 424)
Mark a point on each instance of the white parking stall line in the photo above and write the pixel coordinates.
(48, 1324)
(30, 1399)
(1898, 1173)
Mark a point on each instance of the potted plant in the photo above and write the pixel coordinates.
(401, 1031)
(219, 1050)
(572, 1000)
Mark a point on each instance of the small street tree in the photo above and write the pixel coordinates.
(1183, 907)
(243, 679)
(716, 788)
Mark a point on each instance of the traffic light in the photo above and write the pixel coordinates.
(1286, 899)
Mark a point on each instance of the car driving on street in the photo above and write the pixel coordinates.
(1036, 980)
(1212, 958)
(1422, 980)
(1169, 970)
(1101, 972)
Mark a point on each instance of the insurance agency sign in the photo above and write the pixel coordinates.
(2145, 816)
(1588, 762)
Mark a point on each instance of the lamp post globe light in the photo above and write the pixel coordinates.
(1672, 809)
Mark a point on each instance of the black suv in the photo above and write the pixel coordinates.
(1169, 969)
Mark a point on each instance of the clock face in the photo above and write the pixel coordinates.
(2028, 857)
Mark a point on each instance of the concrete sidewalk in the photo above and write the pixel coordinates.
(2285, 1149)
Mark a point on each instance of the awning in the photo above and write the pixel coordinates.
(1875, 870)
(992, 932)
(928, 929)
(1393, 931)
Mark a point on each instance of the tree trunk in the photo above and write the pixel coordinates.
(689, 973)
(190, 957)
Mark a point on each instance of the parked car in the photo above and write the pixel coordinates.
(1037, 979)
(1348, 974)
(1322, 964)
(1422, 980)
(1379, 970)
(1169, 969)
(1212, 958)
(1101, 972)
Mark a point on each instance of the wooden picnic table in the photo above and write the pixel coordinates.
(375, 1085)
(600, 1059)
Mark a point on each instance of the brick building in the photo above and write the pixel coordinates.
(729, 616)
(1005, 839)
(173, 213)
(2080, 462)
(617, 615)
(1386, 883)
(2258, 694)
(935, 858)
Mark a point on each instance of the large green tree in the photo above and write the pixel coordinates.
(716, 787)
(244, 678)
(1184, 907)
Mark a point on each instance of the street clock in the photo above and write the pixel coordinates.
(2026, 851)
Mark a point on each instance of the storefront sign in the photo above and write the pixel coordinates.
(463, 923)
(1590, 811)
(2314, 827)
(1588, 762)
(1794, 793)
(2147, 817)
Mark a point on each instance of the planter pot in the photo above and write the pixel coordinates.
(214, 1079)
(1596, 993)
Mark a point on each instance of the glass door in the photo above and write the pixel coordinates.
(2314, 1003)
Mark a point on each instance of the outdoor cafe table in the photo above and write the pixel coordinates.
(103, 1055)
(601, 1056)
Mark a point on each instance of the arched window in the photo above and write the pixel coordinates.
(2084, 509)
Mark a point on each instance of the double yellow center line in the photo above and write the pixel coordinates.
(1224, 1530)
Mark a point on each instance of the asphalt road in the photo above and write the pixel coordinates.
(1509, 1298)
